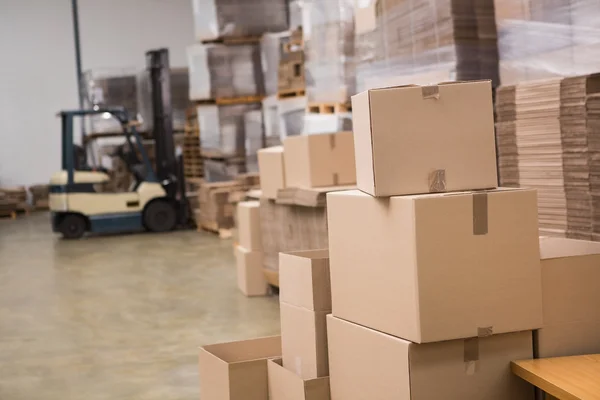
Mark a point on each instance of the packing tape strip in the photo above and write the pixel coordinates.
(430, 92)
(336, 179)
(485, 331)
(332, 141)
(437, 181)
(480, 213)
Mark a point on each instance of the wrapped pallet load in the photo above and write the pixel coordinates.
(179, 98)
(222, 129)
(329, 49)
(541, 39)
(270, 49)
(423, 41)
(110, 88)
(215, 19)
(219, 71)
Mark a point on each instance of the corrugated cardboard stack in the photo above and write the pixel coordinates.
(421, 41)
(546, 140)
(225, 19)
(329, 50)
(40, 196)
(543, 39)
(435, 272)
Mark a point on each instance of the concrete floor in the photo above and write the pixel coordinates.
(117, 317)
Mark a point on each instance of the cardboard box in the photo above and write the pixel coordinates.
(436, 267)
(250, 276)
(571, 298)
(237, 370)
(248, 224)
(285, 385)
(413, 139)
(320, 160)
(304, 279)
(271, 169)
(304, 341)
(367, 364)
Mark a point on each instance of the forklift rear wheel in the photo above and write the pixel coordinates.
(160, 216)
(73, 226)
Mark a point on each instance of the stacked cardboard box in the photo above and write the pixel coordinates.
(249, 250)
(305, 301)
(544, 39)
(435, 272)
(400, 42)
(570, 288)
(217, 202)
(15, 195)
(295, 178)
(290, 73)
(546, 139)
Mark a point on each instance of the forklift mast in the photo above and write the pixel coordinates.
(167, 169)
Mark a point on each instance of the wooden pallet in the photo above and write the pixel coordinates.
(286, 94)
(230, 101)
(328, 108)
(8, 214)
(232, 41)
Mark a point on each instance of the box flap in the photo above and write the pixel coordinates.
(285, 385)
(246, 350)
(551, 247)
(363, 140)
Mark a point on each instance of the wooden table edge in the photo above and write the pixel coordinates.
(540, 382)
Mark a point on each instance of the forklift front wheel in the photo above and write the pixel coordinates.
(160, 216)
(72, 226)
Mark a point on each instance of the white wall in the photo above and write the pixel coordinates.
(37, 67)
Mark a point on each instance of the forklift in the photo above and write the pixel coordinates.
(156, 202)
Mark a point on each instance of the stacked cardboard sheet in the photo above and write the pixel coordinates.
(546, 137)
(407, 42)
(329, 50)
(218, 19)
(221, 71)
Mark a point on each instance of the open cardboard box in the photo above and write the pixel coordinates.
(286, 385)
(237, 370)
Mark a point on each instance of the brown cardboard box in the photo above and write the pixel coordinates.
(285, 385)
(304, 341)
(271, 168)
(436, 267)
(413, 139)
(237, 370)
(248, 223)
(304, 279)
(250, 276)
(367, 364)
(320, 160)
(571, 298)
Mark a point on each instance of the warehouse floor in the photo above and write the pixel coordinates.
(117, 317)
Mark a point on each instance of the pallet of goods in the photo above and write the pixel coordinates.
(422, 41)
(216, 202)
(545, 39)
(229, 21)
(40, 196)
(15, 197)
